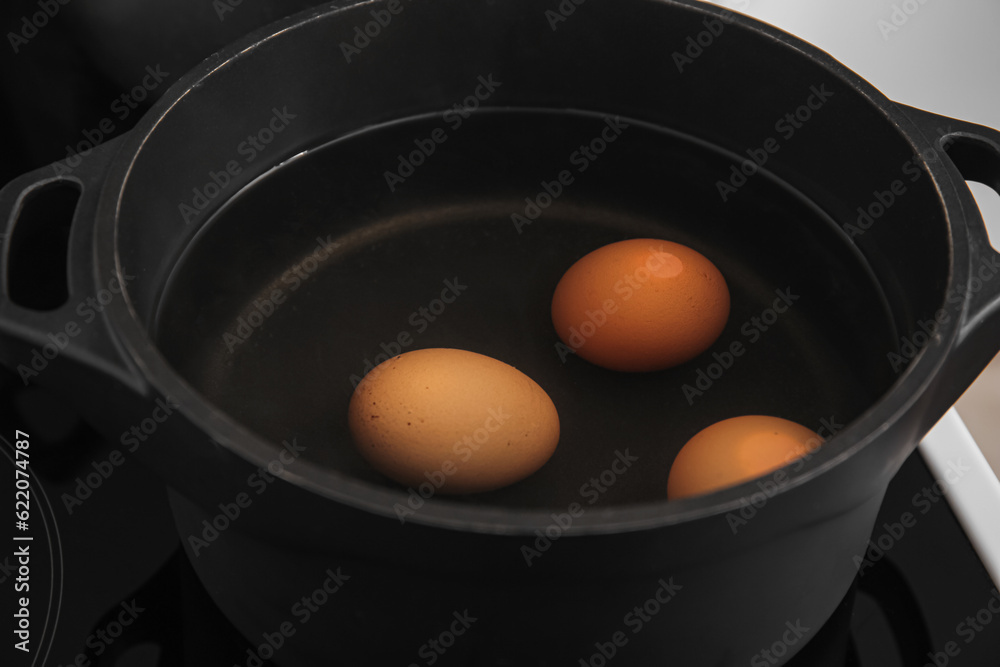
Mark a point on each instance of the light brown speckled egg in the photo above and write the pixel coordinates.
(462, 421)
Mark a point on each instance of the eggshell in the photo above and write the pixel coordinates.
(640, 305)
(460, 421)
(737, 450)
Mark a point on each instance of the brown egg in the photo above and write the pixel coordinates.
(640, 305)
(737, 450)
(461, 421)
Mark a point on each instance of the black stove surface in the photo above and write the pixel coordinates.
(105, 575)
(111, 585)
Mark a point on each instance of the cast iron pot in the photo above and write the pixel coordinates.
(860, 271)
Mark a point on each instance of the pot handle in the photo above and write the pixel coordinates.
(51, 300)
(973, 153)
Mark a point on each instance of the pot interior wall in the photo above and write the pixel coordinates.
(689, 128)
(275, 329)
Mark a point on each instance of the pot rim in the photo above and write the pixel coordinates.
(440, 512)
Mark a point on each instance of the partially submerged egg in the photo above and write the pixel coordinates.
(737, 450)
(640, 305)
(461, 421)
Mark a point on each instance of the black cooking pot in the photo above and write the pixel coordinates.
(295, 205)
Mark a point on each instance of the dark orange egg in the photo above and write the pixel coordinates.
(640, 305)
